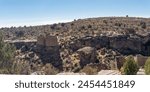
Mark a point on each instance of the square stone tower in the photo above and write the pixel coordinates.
(48, 49)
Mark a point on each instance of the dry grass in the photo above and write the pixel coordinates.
(89, 70)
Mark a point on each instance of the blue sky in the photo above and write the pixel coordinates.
(36, 12)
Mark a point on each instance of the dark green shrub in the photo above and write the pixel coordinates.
(6, 55)
(147, 67)
(130, 67)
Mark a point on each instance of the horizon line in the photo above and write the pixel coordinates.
(40, 23)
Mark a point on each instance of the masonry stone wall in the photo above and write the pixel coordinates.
(48, 49)
(120, 61)
(51, 41)
(40, 40)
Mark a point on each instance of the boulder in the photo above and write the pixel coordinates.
(140, 60)
(87, 55)
(141, 72)
(41, 40)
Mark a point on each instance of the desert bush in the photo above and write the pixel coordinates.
(8, 64)
(20, 67)
(105, 21)
(130, 31)
(89, 70)
(49, 69)
(130, 67)
(6, 55)
(19, 33)
(118, 24)
(147, 66)
(143, 25)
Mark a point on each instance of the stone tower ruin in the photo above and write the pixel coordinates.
(48, 49)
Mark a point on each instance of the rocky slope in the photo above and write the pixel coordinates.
(92, 44)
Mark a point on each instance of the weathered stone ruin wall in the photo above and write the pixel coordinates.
(48, 49)
(47, 43)
(23, 45)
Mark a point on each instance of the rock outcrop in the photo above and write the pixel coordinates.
(125, 44)
(102, 43)
(140, 60)
(87, 55)
(79, 59)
